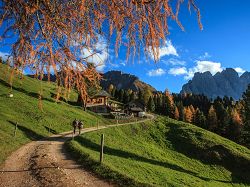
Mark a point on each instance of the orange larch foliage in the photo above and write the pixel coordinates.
(170, 97)
(236, 117)
(52, 34)
(188, 115)
(212, 119)
(176, 114)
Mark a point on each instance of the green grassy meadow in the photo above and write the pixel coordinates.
(164, 153)
(34, 123)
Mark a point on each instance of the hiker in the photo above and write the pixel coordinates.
(80, 126)
(75, 124)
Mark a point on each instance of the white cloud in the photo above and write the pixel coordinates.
(166, 50)
(178, 71)
(98, 54)
(239, 70)
(174, 62)
(205, 56)
(156, 72)
(113, 65)
(203, 66)
(213, 67)
(123, 63)
(4, 56)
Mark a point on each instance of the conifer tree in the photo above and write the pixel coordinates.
(113, 91)
(125, 97)
(132, 96)
(146, 95)
(151, 105)
(159, 104)
(246, 128)
(181, 111)
(140, 95)
(155, 100)
(121, 94)
(117, 93)
(200, 118)
(222, 116)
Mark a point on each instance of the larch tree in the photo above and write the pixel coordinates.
(176, 113)
(193, 112)
(188, 115)
(169, 104)
(52, 36)
(235, 126)
(212, 120)
(110, 88)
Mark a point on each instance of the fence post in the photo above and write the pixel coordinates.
(15, 129)
(101, 150)
(49, 128)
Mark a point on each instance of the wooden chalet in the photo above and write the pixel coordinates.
(135, 107)
(99, 102)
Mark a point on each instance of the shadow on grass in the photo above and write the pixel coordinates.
(100, 170)
(31, 94)
(49, 129)
(128, 155)
(184, 143)
(32, 135)
(73, 103)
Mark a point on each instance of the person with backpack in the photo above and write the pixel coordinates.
(75, 125)
(80, 126)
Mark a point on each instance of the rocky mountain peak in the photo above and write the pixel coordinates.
(225, 83)
(124, 81)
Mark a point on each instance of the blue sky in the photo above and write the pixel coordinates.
(224, 42)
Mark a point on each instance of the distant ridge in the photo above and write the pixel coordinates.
(225, 83)
(119, 79)
(123, 81)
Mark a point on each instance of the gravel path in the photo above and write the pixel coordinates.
(46, 163)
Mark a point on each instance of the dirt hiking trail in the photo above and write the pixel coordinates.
(46, 163)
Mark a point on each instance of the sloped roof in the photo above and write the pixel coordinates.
(102, 93)
(136, 109)
(137, 103)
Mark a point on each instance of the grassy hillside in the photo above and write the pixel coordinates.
(33, 123)
(165, 153)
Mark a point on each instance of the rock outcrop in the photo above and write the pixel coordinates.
(225, 83)
(123, 81)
